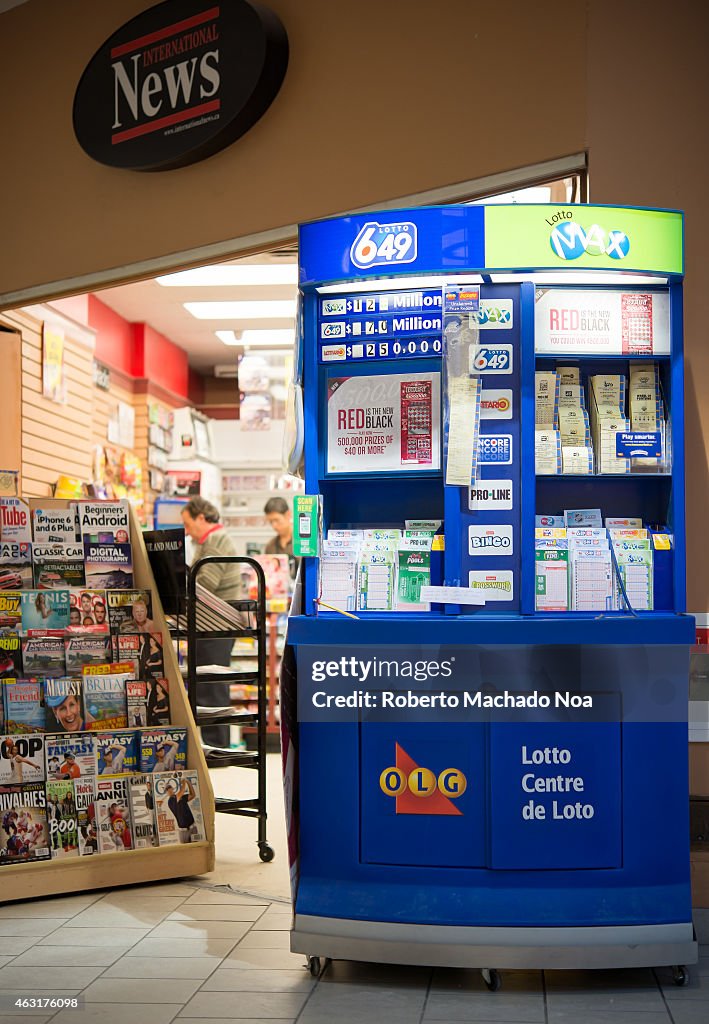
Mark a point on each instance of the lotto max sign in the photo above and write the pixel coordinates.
(600, 237)
(569, 241)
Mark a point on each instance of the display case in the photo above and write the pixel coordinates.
(510, 378)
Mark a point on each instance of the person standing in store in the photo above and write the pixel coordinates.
(280, 519)
(201, 521)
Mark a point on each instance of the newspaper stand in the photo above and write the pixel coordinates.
(209, 618)
(489, 874)
(110, 870)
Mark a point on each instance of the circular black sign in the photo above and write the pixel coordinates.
(179, 82)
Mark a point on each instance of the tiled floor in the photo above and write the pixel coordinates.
(196, 950)
(182, 951)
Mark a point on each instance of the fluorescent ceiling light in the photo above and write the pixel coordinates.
(223, 274)
(280, 309)
(400, 283)
(257, 339)
(578, 277)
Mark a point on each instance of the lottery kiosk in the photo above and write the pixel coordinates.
(492, 649)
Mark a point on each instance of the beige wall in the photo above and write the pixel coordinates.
(649, 146)
(382, 98)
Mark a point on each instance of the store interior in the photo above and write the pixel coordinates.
(172, 387)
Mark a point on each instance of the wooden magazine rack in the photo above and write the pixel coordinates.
(109, 870)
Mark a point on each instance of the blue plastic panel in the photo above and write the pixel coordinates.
(555, 795)
(446, 239)
(444, 827)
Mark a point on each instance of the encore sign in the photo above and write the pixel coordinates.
(179, 82)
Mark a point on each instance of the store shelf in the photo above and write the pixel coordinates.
(604, 476)
(249, 531)
(585, 357)
(106, 870)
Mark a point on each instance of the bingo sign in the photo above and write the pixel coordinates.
(384, 245)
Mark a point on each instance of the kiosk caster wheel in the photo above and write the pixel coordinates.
(266, 852)
(680, 975)
(492, 979)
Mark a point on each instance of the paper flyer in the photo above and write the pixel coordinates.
(383, 423)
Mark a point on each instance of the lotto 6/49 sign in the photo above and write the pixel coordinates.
(179, 82)
(383, 245)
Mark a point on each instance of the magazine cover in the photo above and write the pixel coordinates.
(24, 835)
(166, 551)
(163, 750)
(137, 702)
(10, 609)
(22, 759)
(144, 650)
(45, 609)
(63, 704)
(43, 655)
(11, 660)
(131, 611)
(15, 523)
(87, 611)
(58, 565)
(104, 522)
(61, 819)
(276, 569)
(15, 566)
(86, 649)
(105, 696)
(70, 755)
(113, 814)
(116, 752)
(84, 795)
(24, 705)
(158, 702)
(178, 808)
(54, 526)
(142, 811)
(108, 566)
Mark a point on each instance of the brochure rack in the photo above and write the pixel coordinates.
(455, 839)
(110, 870)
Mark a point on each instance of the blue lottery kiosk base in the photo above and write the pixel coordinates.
(475, 832)
(485, 887)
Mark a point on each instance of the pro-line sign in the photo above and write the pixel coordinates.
(179, 82)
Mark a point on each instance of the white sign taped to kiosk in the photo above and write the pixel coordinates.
(483, 586)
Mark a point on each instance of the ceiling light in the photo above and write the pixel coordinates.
(281, 309)
(257, 339)
(223, 274)
(401, 283)
(228, 337)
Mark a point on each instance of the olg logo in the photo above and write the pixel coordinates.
(422, 782)
(569, 240)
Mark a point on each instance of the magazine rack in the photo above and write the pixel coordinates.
(109, 870)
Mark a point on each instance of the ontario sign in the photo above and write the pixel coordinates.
(179, 82)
